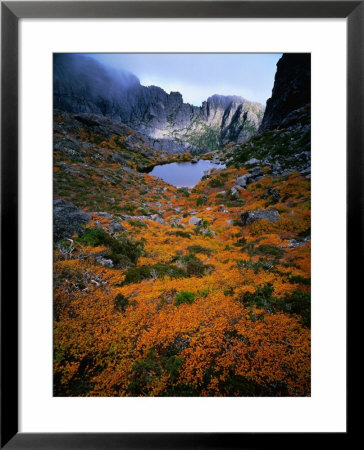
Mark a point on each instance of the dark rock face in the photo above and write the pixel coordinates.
(82, 85)
(251, 216)
(291, 91)
(67, 220)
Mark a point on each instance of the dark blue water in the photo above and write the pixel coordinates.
(184, 174)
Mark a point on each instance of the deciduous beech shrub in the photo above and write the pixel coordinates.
(217, 309)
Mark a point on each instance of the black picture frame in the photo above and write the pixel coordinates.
(11, 12)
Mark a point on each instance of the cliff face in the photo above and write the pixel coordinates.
(82, 85)
(291, 91)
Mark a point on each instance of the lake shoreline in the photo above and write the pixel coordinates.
(184, 174)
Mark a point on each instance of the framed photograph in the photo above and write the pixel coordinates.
(181, 191)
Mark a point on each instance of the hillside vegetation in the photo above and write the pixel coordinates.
(169, 292)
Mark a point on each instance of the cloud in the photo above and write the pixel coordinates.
(198, 76)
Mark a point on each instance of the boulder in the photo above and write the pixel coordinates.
(243, 180)
(234, 191)
(67, 220)
(157, 219)
(195, 221)
(175, 220)
(251, 216)
(256, 172)
(252, 161)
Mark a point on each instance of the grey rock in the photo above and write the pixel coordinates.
(234, 192)
(127, 217)
(207, 231)
(115, 227)
(249, 217)
(157, 219)
(175, 220)
(252, 161)
(195, 221)
(243, 180)
(297, 243)
(256, 172)
(67, 220)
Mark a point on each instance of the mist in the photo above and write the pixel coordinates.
(199, 76)
(86, 73)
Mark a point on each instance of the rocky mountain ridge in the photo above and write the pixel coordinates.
(82, 85)
(291, 92)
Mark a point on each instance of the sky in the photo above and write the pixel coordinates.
(198, 76)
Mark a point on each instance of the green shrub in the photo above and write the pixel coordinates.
(199, 249)
(121, 302)
(298, 303)
(122, 250)
(216, 182)
(184, 297)
(138, 274)
(128, 208)
(194, 266)
(269, 250)
(200, 201)
(138, 223)
(184, 234)
(145, 372)
(262, 297)
(293, 279)
(184, 192)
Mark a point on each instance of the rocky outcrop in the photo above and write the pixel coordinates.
(291, 91)
(251, 216)
(82, 85)
(67, 220)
